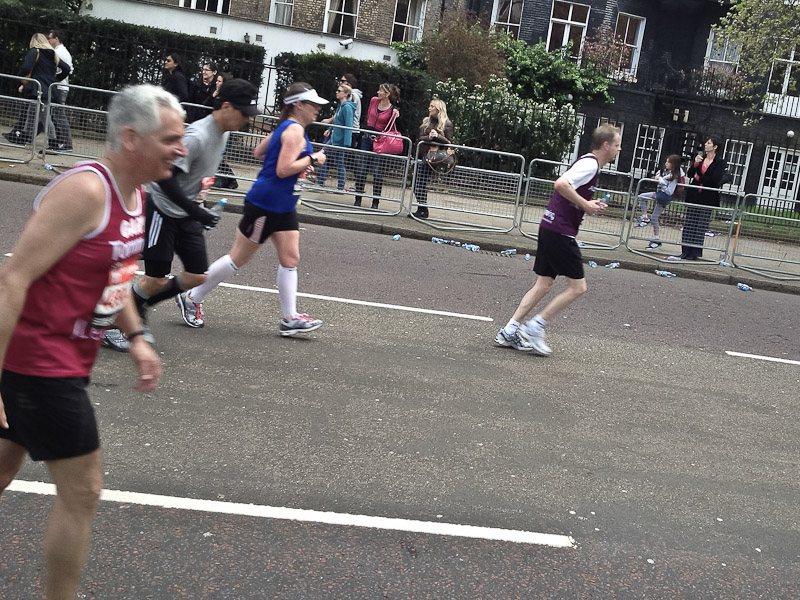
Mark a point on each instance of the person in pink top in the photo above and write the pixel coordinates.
(381, 109)
(78, 252)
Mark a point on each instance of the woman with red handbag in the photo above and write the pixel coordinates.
(436, 129)
(381, 111)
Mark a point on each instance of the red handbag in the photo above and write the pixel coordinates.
(384, 144)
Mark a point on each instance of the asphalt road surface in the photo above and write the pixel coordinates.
(667, 465)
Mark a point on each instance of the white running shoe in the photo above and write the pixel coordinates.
(299, 324)
(512, 341)
(535, 337)
(192, 312)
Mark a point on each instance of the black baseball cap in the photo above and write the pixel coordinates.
(241, 94)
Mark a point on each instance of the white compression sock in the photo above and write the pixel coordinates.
(511, 327)
(287, 290)
(219, 271)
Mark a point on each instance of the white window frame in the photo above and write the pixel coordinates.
(571, 155)
(288, 8)
(507, 25)
(408, 26)
(614, 164)
(692, 144)
(568, 25)
(636, 47)
(331, 13)
(773, 188)
(729, 62)
(192, 4)
(645, 152)
(784, 104)
(737, 154)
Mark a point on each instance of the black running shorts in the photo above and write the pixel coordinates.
(557, 255)
(258, 224)
(167, 236)
(51, 417)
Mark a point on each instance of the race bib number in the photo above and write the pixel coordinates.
(115, 294)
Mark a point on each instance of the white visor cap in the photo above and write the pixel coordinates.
(305, 96)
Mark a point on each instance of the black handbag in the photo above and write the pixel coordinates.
(441, 160)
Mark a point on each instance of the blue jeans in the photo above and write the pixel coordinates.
(336, 157)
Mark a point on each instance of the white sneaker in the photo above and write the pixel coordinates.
(512, 341)
(535, 337)
(299, 324)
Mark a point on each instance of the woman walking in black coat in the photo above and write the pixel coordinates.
(706, 172)
(40, 64)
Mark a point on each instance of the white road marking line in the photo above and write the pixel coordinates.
(768, 358)
(313, 516)
(427, 311)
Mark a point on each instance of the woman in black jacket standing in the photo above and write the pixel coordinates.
(175, 80)
(436, 129)
(40, 64)
(706, 172)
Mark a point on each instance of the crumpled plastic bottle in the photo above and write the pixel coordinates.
(744, 287)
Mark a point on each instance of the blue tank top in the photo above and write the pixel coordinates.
(270, 192)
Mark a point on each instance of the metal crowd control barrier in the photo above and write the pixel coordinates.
(682, 224)
(340, 185)
(542, 175)
(482, 192)
(80, 131)
(766, 239)
(22, 117)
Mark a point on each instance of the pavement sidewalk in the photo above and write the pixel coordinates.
(35, 172)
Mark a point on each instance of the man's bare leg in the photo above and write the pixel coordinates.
(69, 529)
(539, 290)
(575, 289)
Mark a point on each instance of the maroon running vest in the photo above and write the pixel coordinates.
(69, 308)
(561, 215)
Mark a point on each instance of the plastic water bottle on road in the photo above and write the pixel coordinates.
(744, 287)
(722, 263)
(592, 264)
(396, 237)
(471, 247)
(508, 252)
(218, 209)
(614, 265)
(664, 273)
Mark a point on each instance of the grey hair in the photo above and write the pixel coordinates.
(138, 107)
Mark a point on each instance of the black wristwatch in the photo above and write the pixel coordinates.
(314, 161)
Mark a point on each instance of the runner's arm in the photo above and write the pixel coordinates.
(174, 192)
(70, 210)
(147, 362)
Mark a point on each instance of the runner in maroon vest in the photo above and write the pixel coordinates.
(558, 252)
(68, 279)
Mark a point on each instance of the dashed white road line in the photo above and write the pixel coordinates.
(767, 358)
(427, 311)
(313, 516)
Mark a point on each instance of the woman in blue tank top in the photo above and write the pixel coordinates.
(270, 206)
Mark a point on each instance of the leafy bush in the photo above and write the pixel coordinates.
(461, 49)
(495, 118)
(410, 55)
(540, 75)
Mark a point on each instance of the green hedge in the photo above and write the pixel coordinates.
(323, 70)
(111, 54)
